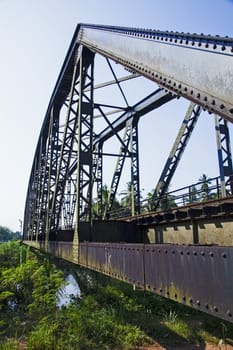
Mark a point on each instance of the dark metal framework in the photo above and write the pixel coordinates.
(69, 160)
(129, 148)
(66, 185)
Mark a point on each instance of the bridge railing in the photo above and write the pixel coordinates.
(196, 193)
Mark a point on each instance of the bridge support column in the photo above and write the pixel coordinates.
(224, 155)
(84, 179)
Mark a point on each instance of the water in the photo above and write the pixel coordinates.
(66, 294)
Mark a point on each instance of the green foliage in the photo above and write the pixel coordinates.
(6, 234)
(28, 288)
(89, 326)
(10, 254)
(96, 208)
(205, 188)
(47, 281)
(110, 315)
(9, 345)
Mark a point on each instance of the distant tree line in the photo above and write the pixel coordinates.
(7, 235)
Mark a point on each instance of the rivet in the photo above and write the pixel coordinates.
(198, 302)
(160, 290)
(203, 253)
(229, 313)
(206, 306)
(175, 296)
(211, 254)
(215, 309)
(191, 301)
(224, 255)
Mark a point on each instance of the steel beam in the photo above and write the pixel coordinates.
(175, 155)
(197, 67)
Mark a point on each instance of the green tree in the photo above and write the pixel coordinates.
(165, 202)
(193, 194)
(28, 286)
(6, 234)
(205, 188)
(105, 197)
(126, 200)
(149, 203)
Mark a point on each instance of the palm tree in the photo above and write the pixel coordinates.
(193, 195)
(205, 190)
(97, 211)
(126, 200)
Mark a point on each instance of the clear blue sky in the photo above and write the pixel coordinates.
(34, 38)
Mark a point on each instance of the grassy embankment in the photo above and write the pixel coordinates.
(109, 314)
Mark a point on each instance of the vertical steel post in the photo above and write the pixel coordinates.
(135, 179)
(84, 135)
(99, 180)
(220, 156)
(224, 155)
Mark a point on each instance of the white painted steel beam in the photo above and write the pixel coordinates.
(199, 68)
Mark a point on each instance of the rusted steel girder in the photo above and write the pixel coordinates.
(198, 276)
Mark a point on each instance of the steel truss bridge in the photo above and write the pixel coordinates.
(182, 251)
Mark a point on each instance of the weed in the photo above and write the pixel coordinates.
(169, 317)
(9, 344)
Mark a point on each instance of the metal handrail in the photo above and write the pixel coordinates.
(180, 197)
